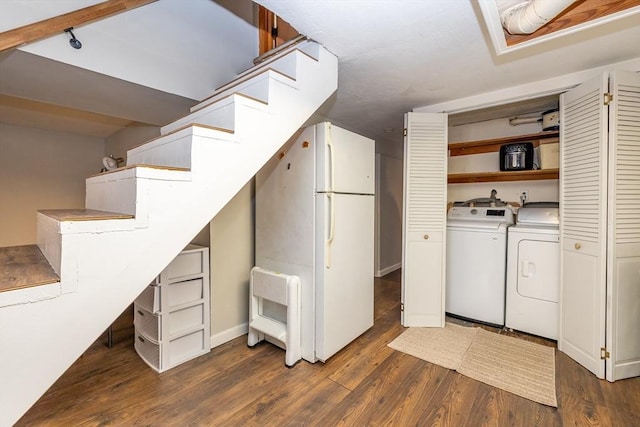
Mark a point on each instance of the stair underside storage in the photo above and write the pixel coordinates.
(173, 186)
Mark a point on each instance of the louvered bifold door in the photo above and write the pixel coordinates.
(424, 219)
(583, 219)
(623, 267)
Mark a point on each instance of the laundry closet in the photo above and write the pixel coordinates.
(486, 241)
(597, 185)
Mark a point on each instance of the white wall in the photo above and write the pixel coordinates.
(544, 190)
(150, 45)
(388, 214)
(41, 169)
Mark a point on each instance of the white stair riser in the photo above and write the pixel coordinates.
(30, 295)
(221, 115)
(126, 191)
(257, 88)
(118, 195)
(49, 240)
(285, 65)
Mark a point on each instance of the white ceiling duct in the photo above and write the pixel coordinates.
(525, 17)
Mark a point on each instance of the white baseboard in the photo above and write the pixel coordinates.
(231, 333)
(388, 270)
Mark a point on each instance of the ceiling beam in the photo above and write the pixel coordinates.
(56, 25)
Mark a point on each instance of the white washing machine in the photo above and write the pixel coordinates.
(533, 271)
(476, 262)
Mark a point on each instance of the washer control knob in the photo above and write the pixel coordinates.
(474, 211)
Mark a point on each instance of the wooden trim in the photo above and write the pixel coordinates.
(576, 14)
(169, 168)
(265, 24)
(267, 20)
(83, 214)
(52, 26)
(491, 145)
(236, 82)
(527, 175)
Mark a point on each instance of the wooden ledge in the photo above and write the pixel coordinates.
(181, 128)
(169, 168)
(23, 267)
(238, 81)
(491, 145)
(526, 175)
(83, 214)
(200, 125)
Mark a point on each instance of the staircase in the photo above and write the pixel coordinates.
(139, 217)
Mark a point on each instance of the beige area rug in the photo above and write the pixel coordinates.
(511, 364)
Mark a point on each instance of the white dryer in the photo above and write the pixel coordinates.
(533, 271)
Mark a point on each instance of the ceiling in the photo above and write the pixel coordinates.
(147, 65)
(395, 55)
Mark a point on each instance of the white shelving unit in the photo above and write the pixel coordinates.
(171, 316)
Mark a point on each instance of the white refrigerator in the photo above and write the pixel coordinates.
(315, 219)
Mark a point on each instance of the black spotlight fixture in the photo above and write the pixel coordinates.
(74, 42)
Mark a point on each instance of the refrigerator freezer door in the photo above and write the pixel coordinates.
(345, 161)
(343, 271)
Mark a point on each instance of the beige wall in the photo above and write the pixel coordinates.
(131, 136)
(41, 169)
(388, 214)
(232, 257)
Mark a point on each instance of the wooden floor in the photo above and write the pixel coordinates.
(366, 384)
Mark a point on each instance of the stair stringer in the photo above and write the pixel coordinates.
(103, 271)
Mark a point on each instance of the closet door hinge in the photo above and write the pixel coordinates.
(604, 354)
(404, 132)
(401, 307)
(608, 98)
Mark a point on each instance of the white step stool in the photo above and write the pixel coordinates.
(283, 289)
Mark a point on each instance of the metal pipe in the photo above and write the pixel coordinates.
(524, 120)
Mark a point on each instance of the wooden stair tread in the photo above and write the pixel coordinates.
(169, 168)
(83, 214)
(278, 50)
(199, 125)
(264, 61)
(24, 267)
(262, 64)
(225, 130)
(238, 81)
(247, 77)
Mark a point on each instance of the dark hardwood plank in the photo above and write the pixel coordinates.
(378, 394)
(451, 402)
(365, 384)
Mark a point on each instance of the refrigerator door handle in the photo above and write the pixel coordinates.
(331, 159)
(331, 230)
